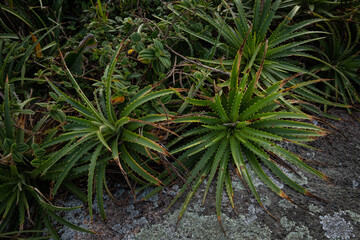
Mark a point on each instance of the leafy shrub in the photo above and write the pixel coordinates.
(157, 56)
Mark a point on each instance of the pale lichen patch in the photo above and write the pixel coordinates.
(285, 204)
(266, 200)
(194, 226)
(315, 209)
(300, 233)
(287, 224)
(336, 227)
(354, 216)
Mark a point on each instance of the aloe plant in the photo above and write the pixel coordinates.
(100, 131)
(284, 40)
(241, 128)
(328, 8)
(339, 60)
(24, 206)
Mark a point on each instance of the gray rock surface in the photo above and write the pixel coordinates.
(339, 218)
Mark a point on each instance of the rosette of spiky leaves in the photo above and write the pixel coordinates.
(328, 8)
(101, 130)
(284, 41)
(242, 129)
(339, 59)
(24, 209)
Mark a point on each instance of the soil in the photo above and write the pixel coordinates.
(336, 218)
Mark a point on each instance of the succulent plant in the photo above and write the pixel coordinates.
(241, 129)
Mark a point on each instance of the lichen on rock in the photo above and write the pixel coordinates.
(336, 227)
(194, 226)
(287, 224)
(300, 233)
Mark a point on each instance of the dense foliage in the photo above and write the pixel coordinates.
(163, 90)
